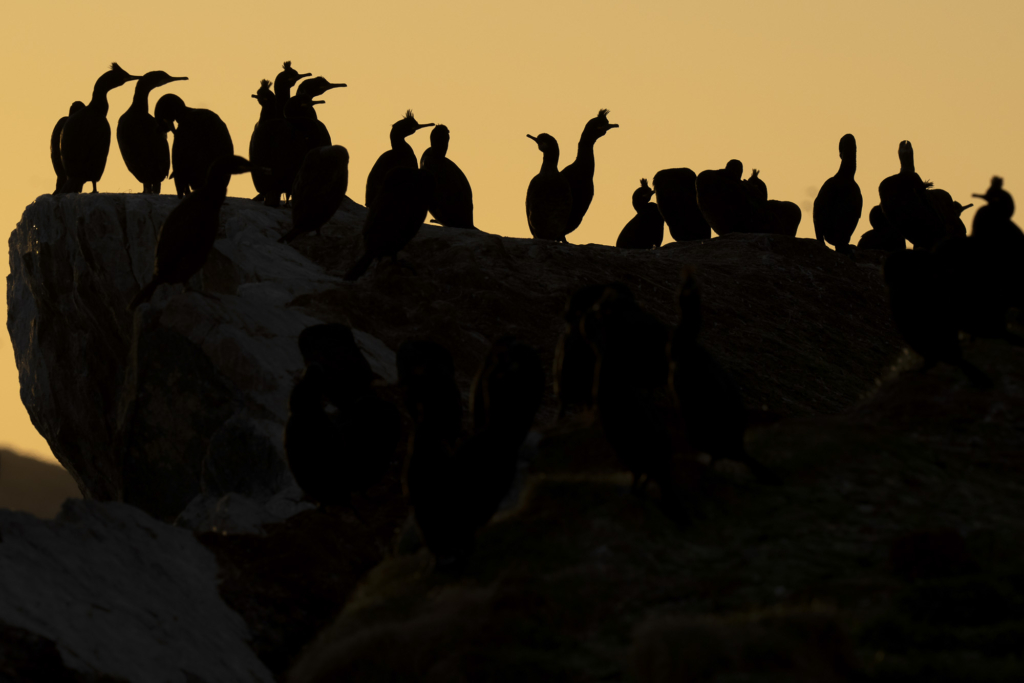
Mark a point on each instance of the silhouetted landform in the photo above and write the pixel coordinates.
(549, 198)
(271, 147)
(58, 165)
(676, 189)
(580, 173)
(399, 156)
(142, 139)
(882, 235)
(451, 204)
(33, 486)
(85, 138)
(200, 139)
(187, 235)
(319, 189)
(646, 230)
(839, 203)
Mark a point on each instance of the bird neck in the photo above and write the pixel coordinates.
(268, 111)
(399, 144)
(550, 161)
(282, 93)
(639, 202)
(140, 100)
(585, 152)
(907, 164)
(98, 103)
(848, 166)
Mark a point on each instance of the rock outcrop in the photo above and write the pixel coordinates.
(189, 396)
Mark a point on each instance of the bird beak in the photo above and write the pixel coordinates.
(613, 125)
(304, 75)
(531, 137)
(316, 102)
(425, 125)
(255, 97)
(337, 85)
(979, 196)
(134, 78)
(178, 78)
(964, 208)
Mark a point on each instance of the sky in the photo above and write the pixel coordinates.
(772, 83)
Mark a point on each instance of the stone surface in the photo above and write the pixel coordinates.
(120, 596)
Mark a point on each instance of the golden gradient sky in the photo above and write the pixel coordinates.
(773, 83)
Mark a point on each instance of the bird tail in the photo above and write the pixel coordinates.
(356, 271)
(143, 296)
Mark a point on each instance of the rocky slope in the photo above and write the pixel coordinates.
(29, 485)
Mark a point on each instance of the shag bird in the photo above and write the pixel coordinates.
(308, 131)
(187, 235)
(319, 189)
(399, 156)
(676, 191)
(882, 235)
(905, 202)
(580, 173)
(85, 139)
(452, 203)
(949, 212)
(728, 204)
(200, 138)
(549, 195)
(143, 141)
(58, 165)
(646, 229)
(839, 204)
(270, 147)
(782, 217)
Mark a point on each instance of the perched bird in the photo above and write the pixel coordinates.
(85, 138)
(394, 217)
(905, 202)
(268, 117)
(949, 212)
(708, 400)
(580, 173)
(783, 218)
(200, 138)
(574, 362)
(549, 195)
(187, 235)
(646, 229)
(143, 141)
(676, 190)
(507, 389)
(319, 190)
(399, 156)
(308, 131)
(727, 203)
(756, 188)
(839, 203)
(58, 165)
(271, 149)
(882, 235)
(452, 202)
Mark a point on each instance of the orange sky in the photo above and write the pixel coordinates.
(775, 84)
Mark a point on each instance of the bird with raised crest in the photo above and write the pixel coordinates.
(399, 156)
(646, 229)
(580, 173)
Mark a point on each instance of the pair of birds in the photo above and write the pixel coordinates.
(556, 201)
(731, 204)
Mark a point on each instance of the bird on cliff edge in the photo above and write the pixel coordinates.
(319, 189)
(646, 229)
(200, 138)
(399, 156)
(452, 203)
(187, 235)
(58, 165)
(839, 204)
(142, 139)
(549, 195)
(580, 173)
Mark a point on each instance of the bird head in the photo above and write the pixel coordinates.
(407, 125)
(169, 108)
(598, 126)
(154, 79)
(998, 198)
(314, 87)
(114, 78)
(545, 142)
(264, 95)
(906, 154)
(287, 78)
(734, 169)
(848, 147)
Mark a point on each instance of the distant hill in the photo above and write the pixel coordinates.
(29, 485)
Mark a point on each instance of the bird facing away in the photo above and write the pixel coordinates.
(881, 235)
(839, 204)
(143, 141)
(904, 199)
(85, 138)
(549, 196)
(394, 217)
(580, 173)
(319, 189)
(452, 202)
(728, 204)
(199, 139)
(399, 156)
(646, 229)
(676, 190)
(187, 235)
(58, 165)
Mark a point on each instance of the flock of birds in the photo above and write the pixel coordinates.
(657, 392)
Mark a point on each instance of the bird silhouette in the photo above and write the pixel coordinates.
(142, 139)
(200, 138)
(839, 203)
(728, 204)
(452, 201)
(399, 156)
(882, 235)
(58, 165)
(905, 202)
(573, 366)
(676, 190)
(308, 132)
(580, 173)
(319, 189)
(646, 229)
(549, 195)
(271, 146)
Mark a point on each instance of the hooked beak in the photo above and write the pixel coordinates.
(177, 78)
(531, 137)
(316, 102)
(134, 78)
(979, 196)
(255, 97)
(613, 125)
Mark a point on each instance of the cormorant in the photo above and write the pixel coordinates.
(394, 217)
(756, 188)
(199, 139)
(270, 147)
(319, 189)
(268, 116)
(580, 173)
(905, 202)
(726, 202)
(308, 132)
(58, 165)
(676, 190)
(452, 203)
(85, 139)
(187, 235)
(839, 203)
(949, 212)
(399, 156)
(707, 397)
(143, 141)
(782, 217)
(646, 229)
(882, 235)
(549, 196)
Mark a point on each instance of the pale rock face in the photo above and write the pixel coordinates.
(122, 596)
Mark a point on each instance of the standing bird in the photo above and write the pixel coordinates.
(308, 131)
(881, 235)
(549, 195)
(676, 190)
(452, 203)
(270, 147)
(187, 235)
(949, 212)
(646, 229)
(143, 141)
(727, 202)
(905, 201)
(399, 156)
(85, 139)
(580, 173)
(199, 139)
(58, 165)
(839, 203)
(783, 218)
(394, 217)
(319, 189)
